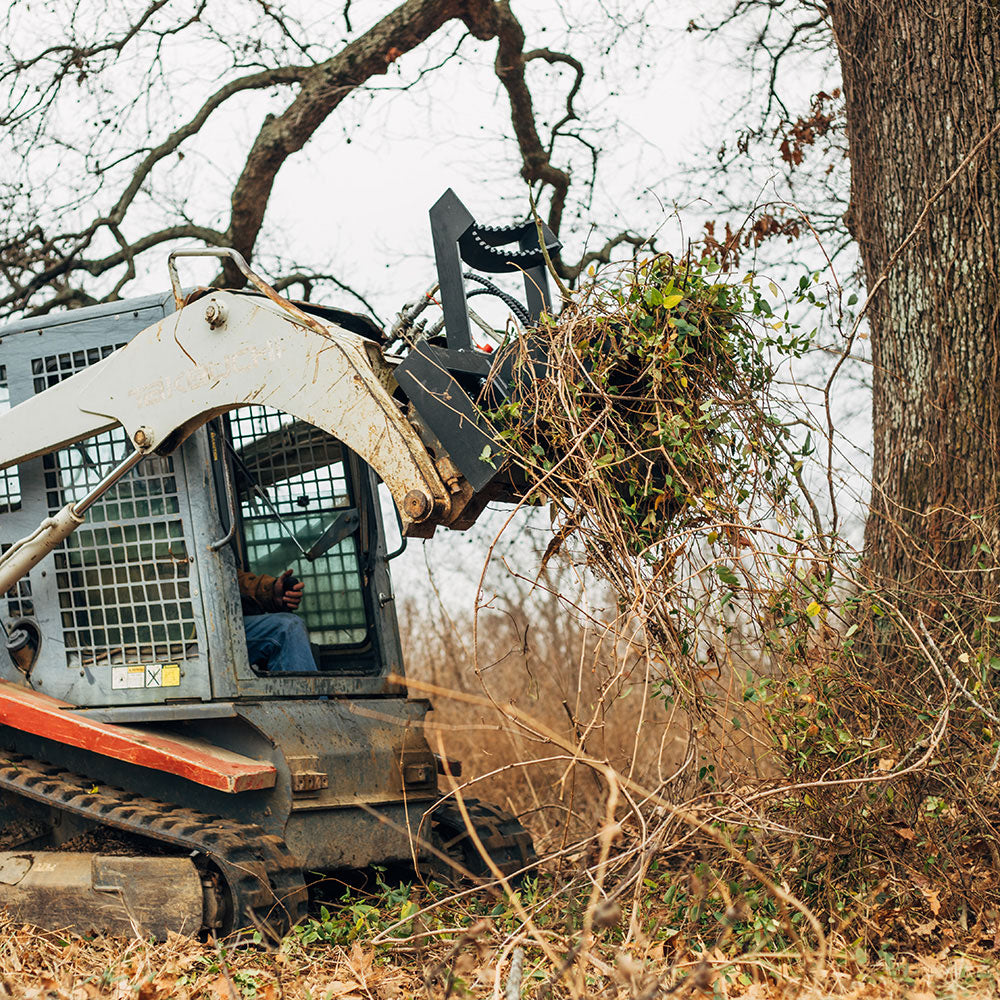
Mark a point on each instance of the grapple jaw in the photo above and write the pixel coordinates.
(445, 383)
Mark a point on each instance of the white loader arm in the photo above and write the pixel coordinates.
(223, 351)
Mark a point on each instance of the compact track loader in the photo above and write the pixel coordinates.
(148, 450)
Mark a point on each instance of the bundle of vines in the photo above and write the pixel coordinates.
(646, 416)
(652, 417)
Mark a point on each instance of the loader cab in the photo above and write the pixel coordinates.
(140, 607)
(293, 497)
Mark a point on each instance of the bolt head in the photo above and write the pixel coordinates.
(215, 314)
(416, 505)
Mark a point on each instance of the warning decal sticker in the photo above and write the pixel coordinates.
(145, 675)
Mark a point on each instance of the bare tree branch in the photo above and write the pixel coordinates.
(560, 57)
(537, 165)
(181, 232)
(75, 252)
(256, 81)
(323, 89)
(307, 279)
(603, 256)
(73, 58)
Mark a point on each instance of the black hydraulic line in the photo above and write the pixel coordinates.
(402, 538)
(489, 288)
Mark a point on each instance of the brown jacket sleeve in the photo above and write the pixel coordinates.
(257, 593)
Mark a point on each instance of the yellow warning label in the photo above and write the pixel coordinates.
(171, 675)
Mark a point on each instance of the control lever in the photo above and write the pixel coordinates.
(345, 524)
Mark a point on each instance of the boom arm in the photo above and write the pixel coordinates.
(224, 351)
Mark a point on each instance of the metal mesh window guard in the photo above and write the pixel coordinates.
(301, 468)
(19, 597)
(123, 579)
(54, 368)
(10, 483)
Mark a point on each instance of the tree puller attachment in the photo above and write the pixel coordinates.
(153, 774)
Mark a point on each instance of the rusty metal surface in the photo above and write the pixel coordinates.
(336, 760)
(216, 312)
(357, 837)
(361, 746)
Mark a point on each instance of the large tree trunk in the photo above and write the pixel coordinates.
(922, 85)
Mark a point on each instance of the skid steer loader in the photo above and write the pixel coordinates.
(150, 449)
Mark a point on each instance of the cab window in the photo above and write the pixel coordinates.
(295, 495)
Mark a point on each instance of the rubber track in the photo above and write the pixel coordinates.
(506, 841)
(263, 876)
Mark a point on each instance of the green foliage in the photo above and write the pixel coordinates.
(359, 916)
(648, 415)
(713, 908)
(654, 404)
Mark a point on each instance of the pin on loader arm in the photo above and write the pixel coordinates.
(223, 351)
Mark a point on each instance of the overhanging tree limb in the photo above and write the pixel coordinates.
(88, 247)
(324, 87)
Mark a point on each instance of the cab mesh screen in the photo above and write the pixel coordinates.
(10, 484)
(123, 579)
(18, 597)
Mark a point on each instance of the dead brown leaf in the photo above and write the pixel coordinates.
(348, 989)
(222, 988)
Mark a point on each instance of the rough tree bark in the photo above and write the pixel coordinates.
(922, 90)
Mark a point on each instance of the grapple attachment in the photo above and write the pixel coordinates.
(442, 382)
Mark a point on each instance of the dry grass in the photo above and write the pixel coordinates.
(806, 766)
(37, 965)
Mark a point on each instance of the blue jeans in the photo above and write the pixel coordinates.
(279, 641)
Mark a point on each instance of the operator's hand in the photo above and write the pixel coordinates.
(290, 596)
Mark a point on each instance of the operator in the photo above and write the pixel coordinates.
(276, 638)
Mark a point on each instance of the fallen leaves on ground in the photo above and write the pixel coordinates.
(42, 965)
